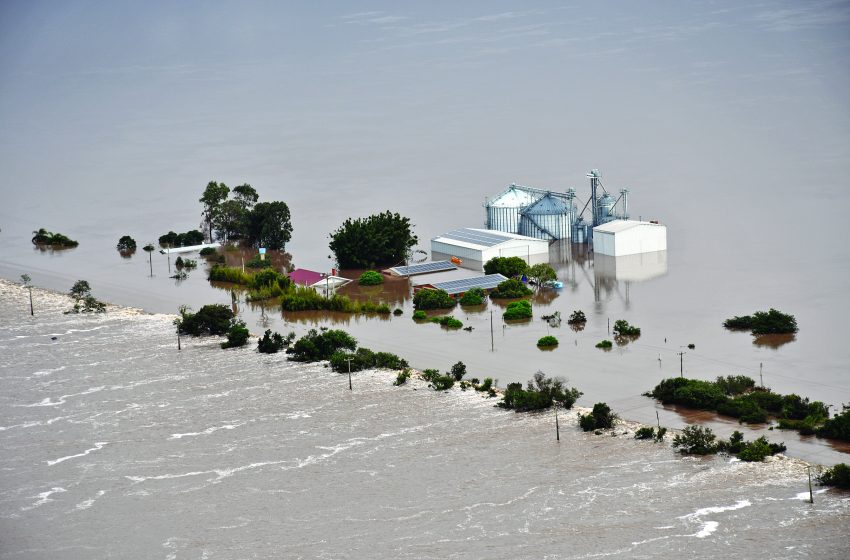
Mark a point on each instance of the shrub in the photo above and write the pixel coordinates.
(547, 342)
(510, 289)
(84, 301)
(659, 435)
(365, 358)
(838, 476)
(458, 371)
(540, 393)
(402, 377)
(474, 296)
(209, 320)
(837, 427)
(623, 328)
(420, 315)
(517, 310)
(447, 321)
(508, 267)
(764, 322)
(428, 298)
(757, 450)
(397, 312)
(645, 432)
(315, 346)
(696, 440)
(735, 384)
(605, 344)
(442, 382)
(237, 335)
(272, 343)
(232, 274)
(126, 243)
(256, 262)
(486, 386)
(370, 278)
(600, 418)
(577, 317)
(208, 251)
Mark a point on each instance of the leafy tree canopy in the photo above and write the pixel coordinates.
(380, 239)
(541, 273)
(269, 225)
(506, 266)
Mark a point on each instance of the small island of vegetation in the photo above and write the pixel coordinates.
(371, 278)
(764, 322)
(44, 238)
(428, 298)
(510, 289)
(547, 342)
(473, 297)
(540, 393)
(518, 310)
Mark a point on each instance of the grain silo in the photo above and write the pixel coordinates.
(547, 218)
(503, 212)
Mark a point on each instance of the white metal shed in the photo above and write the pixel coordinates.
(629, 237)
(481, 245)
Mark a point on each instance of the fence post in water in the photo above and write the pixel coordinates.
(178, 340)
(609, 325)
(658, 419)
(761, 379)
(811, 496)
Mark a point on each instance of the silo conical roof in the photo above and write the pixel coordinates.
(546, 206)
(513, 197)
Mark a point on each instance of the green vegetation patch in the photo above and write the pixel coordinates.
(315, 346)
(605, 344)
(518, 310)
(623, 328)
(365, 358)
(541, 273)
(838, 476)
(428, 298)
(600, 418)
(764, 322)
(172, 239)
(84, 301)
(48, 238)
(237, 335)
(420, 315)
(474, 296)
(214, 319)
(547, 342)
(540, 393)
(508, 267)
(577, 317)
(272, 343)
(447, 321)
(371, 278)
(126, 243)
(380, 239)
(737, 396)
(510, 289)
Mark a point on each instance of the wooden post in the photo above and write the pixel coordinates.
(349, 374)
(492, 343)
(557, 427)
(32, 311)
(658, 419)
(811, 495)
(761, 379)
(178, 340)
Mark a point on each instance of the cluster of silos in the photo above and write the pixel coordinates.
(532, 212)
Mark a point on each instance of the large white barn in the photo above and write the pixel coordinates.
(629, 237)
(477, 246)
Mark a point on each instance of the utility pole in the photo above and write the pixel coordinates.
(681, 364)
(609, 325)
(761, 379)
(25, 278)
(658, 419)
(168, 254)
(557, 427)
(178, 339)
(811, 496)
(349, 373)
(492, 342)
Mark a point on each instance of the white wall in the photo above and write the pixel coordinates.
(644, 238)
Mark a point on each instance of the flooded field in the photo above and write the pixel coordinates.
(116, 444)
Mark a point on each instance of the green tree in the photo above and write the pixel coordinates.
(473, 296)
(245, 196)
(696, 440)
(230, 222)
(269, 226)
(541, 273)
(506, 266)
(237, 335)
(600, 418)
(428, 298)
(126, 243)
(510, 289)
(214, 195)
(458, 371)
(381, 239)
(215, 319)
(371, 278)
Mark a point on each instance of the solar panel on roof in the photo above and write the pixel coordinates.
(423, 268)
(465, 284)
(483, 238)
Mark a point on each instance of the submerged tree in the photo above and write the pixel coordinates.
(380, 239)
(84, 301)
(269, 225)
(213, 196)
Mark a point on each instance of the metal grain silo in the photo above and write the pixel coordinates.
(605, 209)
(548, 218)
(503, 212)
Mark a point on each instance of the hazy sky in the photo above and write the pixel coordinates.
(428, 105)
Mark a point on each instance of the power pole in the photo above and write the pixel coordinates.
(349, 373)
(658, 419)
(681, 364)
(178, 339)
(609, 325)
(811, 496)
(32, 311)
(557, 427)
(761, 379)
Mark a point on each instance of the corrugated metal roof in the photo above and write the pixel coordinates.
(514, 197)
(617, 226)
(547, 205)
(462, 285)
(423, 268)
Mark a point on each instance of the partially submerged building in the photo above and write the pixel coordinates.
(474, 247)
(629, 237)
(462, 285)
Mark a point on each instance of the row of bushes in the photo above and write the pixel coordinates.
(308, 299)
(764, 322)
(737, 396)
(700, 440)
(540, 393)
(364, 358)
(172, 239)
(44, 237)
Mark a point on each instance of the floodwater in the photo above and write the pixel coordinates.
(117, 445)
(677, 297)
